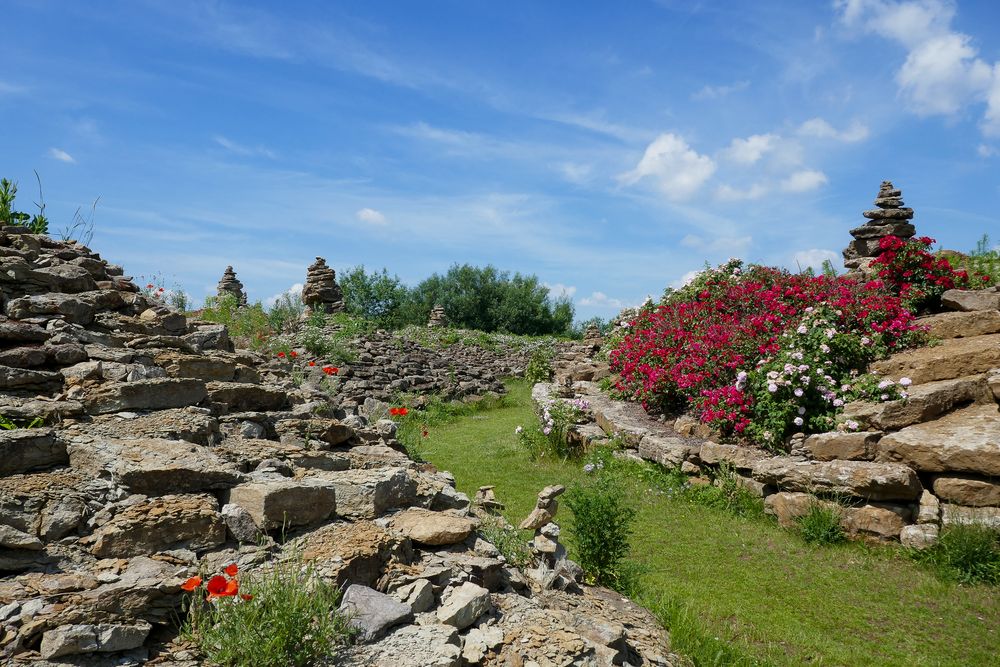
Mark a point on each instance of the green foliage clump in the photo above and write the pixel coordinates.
(249, 326)
(821, 523)
(11, 425)
(727, 493)
(506, 539)
(539, 368)
(291, 619)
(602, 527)
(984, 260)
(966, 553)
(375, 296)
(37, 223)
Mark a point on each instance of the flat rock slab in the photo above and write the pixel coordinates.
(666, 450)
(464, 605)
(156, 394)
(741, 458)
(152, 466)
(330, 431)
(971, 300)
(967, 491)
(861, 479)
(26, 449)
(433, 645)
(925, 402)
(86, 638)
(158, 524)
(351, 553)
(982, 516)
(285, 502)
(369, 494)
(954, 358)
(962, 324)
(882, 521)
(243, 397)
(372, 613)
(431, 528)
(842, 445)
(967, 440)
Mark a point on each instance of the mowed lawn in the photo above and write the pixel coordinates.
(748, 581)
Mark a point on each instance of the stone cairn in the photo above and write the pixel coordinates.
(554, 569)
(321, 293)
(230, 285)
(889, 219)
(438, 318)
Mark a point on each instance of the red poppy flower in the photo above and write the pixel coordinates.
(331, 370)
(294, 354)
(191, 584)
(231, 570)
(281, 355)
(312, 363)
(393, 411)
(216, 586)
(402, 412)
(246, 596)
(150, 286)
(424, 433)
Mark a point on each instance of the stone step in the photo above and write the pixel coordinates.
(962, 324)
(925, 402)
(858, 479)
(966, 440)
(954, 358)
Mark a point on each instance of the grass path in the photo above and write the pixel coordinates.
(746, 581)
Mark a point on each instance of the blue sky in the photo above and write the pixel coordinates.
(609, 148)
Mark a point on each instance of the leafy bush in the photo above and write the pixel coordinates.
(38, 223)
(375, 296)
(821, 523)
(966, 553)
(539, 368)
(912, 272)
(286, 616)
(711, 345)
(602, 526)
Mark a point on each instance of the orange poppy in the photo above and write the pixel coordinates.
(191, 584)
(231, 570)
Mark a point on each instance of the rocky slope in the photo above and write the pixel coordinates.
(158, 451)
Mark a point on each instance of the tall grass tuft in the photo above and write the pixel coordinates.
(965, 553)
(821, 524)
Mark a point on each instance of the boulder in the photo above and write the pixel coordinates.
(369, 494)
(243, 397)
(844, 445)
(160, 524)
(431, 528)
(90, 638)
(971, 300)
(861, 479)
(463, 605)
(741, 458)
(967, 440)
(372, 613)
(28, 380)
(433, 645)
(12, 538)
(329, 431)
(156, 394)
(954, 358)
(961, 324)
(351, 553)
(665, 450)
(919, 536)
(47, 504)
(26, 449)
(982, 516)
(152, 466)
(201, 367)
(283, 502)
(66, 306)
(968, 491)
(21, 332)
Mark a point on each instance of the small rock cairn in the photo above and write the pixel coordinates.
(321, 293)
(438, 318)
(554, 569)
(487, 499)
(889, 219)
(230, 285)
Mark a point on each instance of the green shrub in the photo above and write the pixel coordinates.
(821, 523)
(248, 325)
(38, 223)
(539, 368)
(602, 526)
(506, 538)
(291, 619)
(968, 554)
(727, 493)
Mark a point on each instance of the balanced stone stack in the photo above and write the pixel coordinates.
(230, 285)
(889, 219)
(321, 293)
(555, 570)
(438, 317)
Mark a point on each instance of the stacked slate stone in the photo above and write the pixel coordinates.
(438, 318)
(321, 293)
(889, 219)
(230, 285)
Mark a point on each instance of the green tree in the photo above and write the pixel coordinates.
(376, 296)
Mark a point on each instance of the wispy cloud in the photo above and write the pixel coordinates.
(814, 258)
(821, 129)
(803, 181)
(7, 88)
(245, 151)
(558, 289)
(602, 300)
(61, 155)
(751, 149)
(716, 92)
(371, 216)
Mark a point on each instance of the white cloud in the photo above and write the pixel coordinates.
(677, 169)
(943, 73)
(575, 172)
(293, 291)
(715, 92)
(61, 155)
(802, 181)
(371, 216)
(729, 193)
(685, 279)
(985, 150)
(818, 127)
(814, 258)
(558, 289)
(751, 149)
(601, 300)
(240, 149)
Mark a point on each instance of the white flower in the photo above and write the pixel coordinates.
(809, 309)
(838, 402)
(885, 383)
(825, 348)
(547, 430)
(803, 367)
(802, 329)
(865, 340)
(905, 382)
(767, 435)
(519, 430)
(830, 333)
(771, 387)
(741, 376)
(851, 424)
(802, 410)
(798, 392)
(588, 468)
(798, 421)
(884, 397)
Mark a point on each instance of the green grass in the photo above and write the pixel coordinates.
(737, 590)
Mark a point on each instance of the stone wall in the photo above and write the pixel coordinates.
(158, 452)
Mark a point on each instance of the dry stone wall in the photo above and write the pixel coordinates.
(157, 451)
